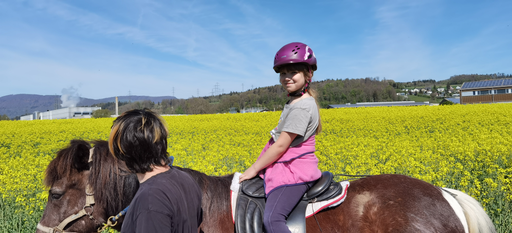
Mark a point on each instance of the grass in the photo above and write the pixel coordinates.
(14, 218)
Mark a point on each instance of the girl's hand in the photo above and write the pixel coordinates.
(273, 153)
(248, 174)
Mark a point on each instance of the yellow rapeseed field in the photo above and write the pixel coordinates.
(466, 147)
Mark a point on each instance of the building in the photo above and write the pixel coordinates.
(453, 100)
(254, 109)
(63, 113)
(379, 104)
(488, 91)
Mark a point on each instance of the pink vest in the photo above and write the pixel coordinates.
(297, 165)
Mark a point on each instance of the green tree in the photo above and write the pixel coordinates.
(433, 96)
(446, 102)
(179, 110)
(4, 118)
(102, 113)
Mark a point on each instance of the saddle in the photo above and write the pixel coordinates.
(250, 204)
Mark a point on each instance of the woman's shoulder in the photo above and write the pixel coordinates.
(170, 181)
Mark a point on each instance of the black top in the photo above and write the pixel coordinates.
(167, 202)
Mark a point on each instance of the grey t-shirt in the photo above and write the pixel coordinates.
(300, 118)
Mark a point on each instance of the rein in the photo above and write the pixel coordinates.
(353, 177)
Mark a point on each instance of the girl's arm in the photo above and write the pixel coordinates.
(271, 155)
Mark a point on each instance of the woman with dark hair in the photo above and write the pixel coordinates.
(168, 200)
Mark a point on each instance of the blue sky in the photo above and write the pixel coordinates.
(157, 48)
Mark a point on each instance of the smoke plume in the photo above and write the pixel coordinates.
(69, 97)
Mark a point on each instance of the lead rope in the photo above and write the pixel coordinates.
(112, 221)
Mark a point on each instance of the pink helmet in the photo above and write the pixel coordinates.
(295, 52)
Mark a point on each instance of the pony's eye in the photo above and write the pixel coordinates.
(55, 196)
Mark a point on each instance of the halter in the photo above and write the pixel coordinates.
(89, 202)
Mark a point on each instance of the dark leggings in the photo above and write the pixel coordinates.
(280, 204)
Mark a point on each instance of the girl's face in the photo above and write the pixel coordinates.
(292, 80)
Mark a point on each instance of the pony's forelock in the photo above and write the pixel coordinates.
(64, 165)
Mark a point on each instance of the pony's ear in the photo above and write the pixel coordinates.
(81, 156)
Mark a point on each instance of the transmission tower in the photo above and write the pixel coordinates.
(216, 89)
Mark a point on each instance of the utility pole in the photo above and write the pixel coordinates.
(56, 104)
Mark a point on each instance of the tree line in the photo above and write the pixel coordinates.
(270, 98)
(330, 91)
(459, 79)
(371, 89)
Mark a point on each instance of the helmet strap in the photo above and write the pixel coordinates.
(299, 93)
(305, 88)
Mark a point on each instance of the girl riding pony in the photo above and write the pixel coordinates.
(288, 164)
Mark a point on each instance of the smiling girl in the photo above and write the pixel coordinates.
(288, 164)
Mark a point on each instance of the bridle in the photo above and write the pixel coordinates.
(89, 203)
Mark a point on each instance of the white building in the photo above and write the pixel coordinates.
(63, 113)
(27, 117)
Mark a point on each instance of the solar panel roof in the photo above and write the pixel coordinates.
(507, 82)
(487, 83)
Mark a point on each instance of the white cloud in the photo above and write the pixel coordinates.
(184, 47)
(152, 46)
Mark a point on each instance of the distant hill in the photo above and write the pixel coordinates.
(22, 104)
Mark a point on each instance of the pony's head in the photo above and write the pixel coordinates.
(84, 194)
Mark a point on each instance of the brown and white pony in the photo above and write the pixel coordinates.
(381, 203)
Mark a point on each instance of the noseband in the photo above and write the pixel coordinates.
(89, 202)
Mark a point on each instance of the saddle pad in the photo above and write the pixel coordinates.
(311, 209)
(315, 207)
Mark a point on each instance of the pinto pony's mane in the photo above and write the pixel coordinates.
(114, 186)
